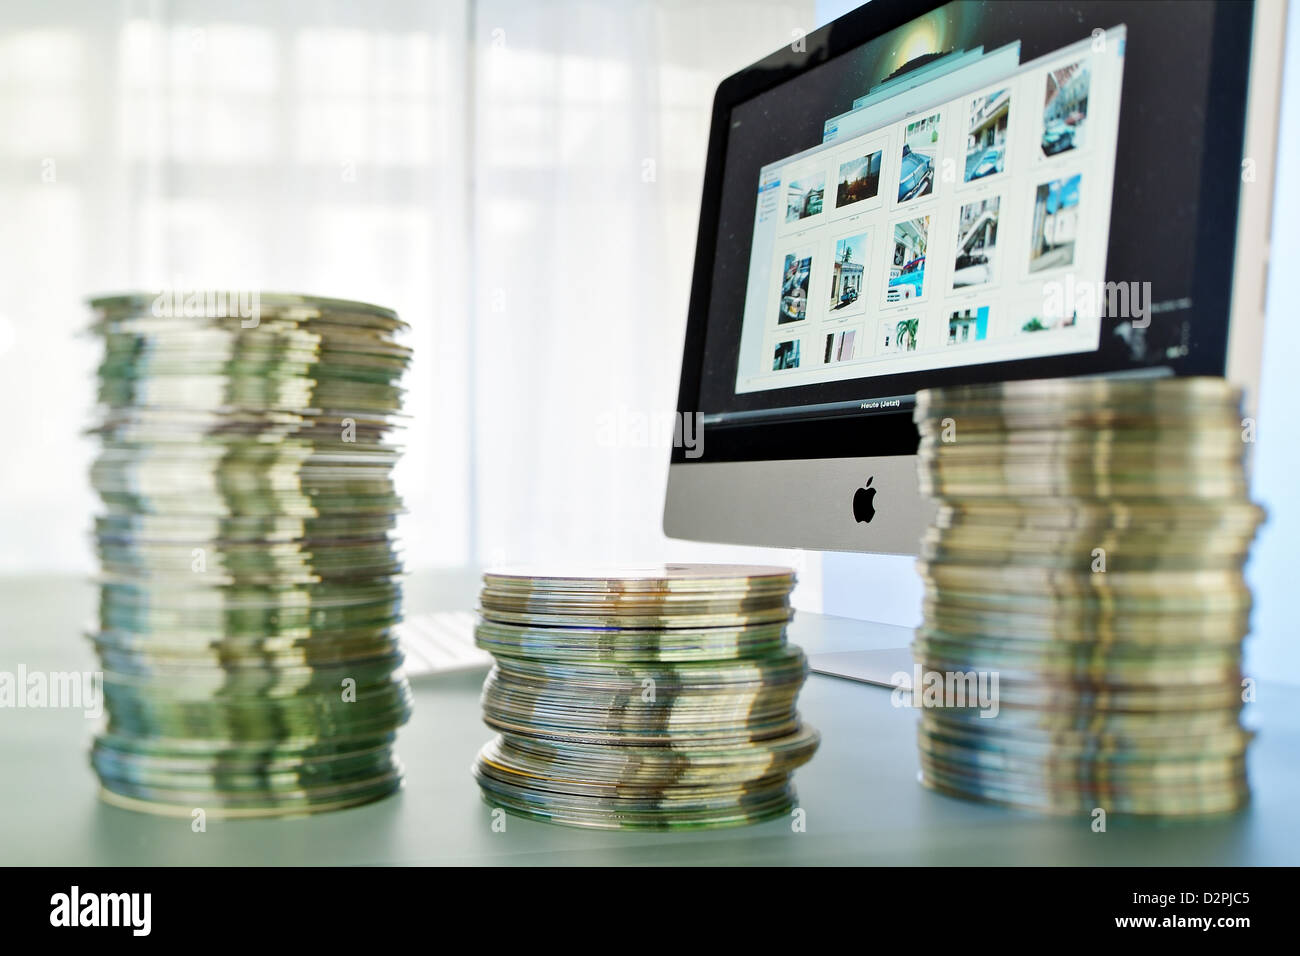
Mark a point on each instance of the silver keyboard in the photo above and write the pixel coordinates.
(440, 643)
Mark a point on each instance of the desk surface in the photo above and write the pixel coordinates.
(860, 793)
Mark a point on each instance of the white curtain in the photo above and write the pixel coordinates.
(592, 123)
(309, 147)
(520, 180)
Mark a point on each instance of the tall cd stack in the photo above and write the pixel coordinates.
(1085, 566)
(249, 579)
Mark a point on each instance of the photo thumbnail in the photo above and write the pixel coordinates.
(794, 287)
(859, 179)
(786, 355)
(986, 136)
(1065, 108)
(977, 237)
(968, 325)
(804, 197)
(899, 335)
(1045, 322)
(839, 346)
(916, 168)
(848, 271)
(1056, 224)
(907, 270)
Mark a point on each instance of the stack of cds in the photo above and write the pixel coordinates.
(249, 589)
(661, 698)
(1086, 565)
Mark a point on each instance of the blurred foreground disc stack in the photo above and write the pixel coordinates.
(661, 698)
(1087, 552)
(249, 585)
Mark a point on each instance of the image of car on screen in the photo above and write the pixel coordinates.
(794, 288)
(971, 269)
(1065, 108)
(907, 265)
(916, 166)
(847, 271)
(909, 283)
(986, 135)
(1057, 138)
(917, 176)
(986, 163)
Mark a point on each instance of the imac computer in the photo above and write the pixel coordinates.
(923, 194)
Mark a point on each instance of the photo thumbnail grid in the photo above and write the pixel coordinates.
(940, 228)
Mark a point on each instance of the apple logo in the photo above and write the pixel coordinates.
(864, 502)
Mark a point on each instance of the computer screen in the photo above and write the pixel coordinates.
(925, 194)
(929, 226)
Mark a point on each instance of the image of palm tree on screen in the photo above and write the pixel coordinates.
(905, 334)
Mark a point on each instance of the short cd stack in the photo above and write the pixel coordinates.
(1087, 554)
(661, 698)
(249, 588)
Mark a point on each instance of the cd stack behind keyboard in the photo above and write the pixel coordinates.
(661, 698)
